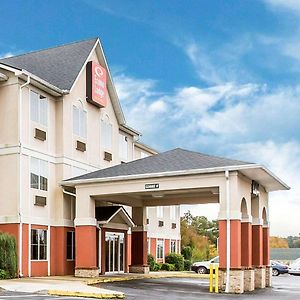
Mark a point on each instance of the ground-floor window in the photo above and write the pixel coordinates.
(38, 244)
(149, 245)
(173, 246)
(70, 245)
(160, 249)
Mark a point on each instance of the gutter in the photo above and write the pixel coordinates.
(20, 250)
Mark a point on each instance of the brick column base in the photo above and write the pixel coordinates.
(139, 269)
(260, 277)
(268, 276)
(236, 281)
(249, 280)
(85, 272)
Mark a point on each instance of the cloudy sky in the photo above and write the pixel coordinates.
(220, 77)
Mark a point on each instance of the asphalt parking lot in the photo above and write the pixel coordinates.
(4, 295)
(284, 287)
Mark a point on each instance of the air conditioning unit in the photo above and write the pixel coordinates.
(107, 156)
(80, 146)
(160, 223)
(40, 201)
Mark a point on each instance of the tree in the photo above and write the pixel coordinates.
(277, 242)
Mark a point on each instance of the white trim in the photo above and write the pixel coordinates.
(176, 173)
(49, 250)
(37, 221)
(249, 219)
(257, 221)
(85, 221)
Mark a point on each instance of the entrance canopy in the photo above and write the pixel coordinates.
(171, 178)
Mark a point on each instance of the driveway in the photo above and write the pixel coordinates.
(284, 287)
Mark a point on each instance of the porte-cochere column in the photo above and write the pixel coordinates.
(85, 237)
(139, 251)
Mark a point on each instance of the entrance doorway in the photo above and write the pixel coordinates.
(114, 252)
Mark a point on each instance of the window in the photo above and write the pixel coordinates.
(149, 245)
(160, 211)
(79, 121)
(160, 249)
(39, 174)
(173, 246)
(106, 134)
(123, 147)
(71, 245)
(38, 244)
(38, 108)
(173, 212)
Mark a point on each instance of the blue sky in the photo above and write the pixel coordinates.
(221, 77)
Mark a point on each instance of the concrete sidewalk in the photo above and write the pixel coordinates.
(59, 286)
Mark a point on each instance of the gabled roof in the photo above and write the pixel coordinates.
(173, 160)
(105, 214)
(58, 66)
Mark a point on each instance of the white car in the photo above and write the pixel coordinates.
(202, 267)
(294, 268)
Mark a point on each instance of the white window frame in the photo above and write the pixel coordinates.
(174, 242)
(79, 115)
(38, 108)
(106, 134)
(39, 244)
(123, 147)
(173, 213)
(160, 212)
(149, 245)
(160, 242)
(40, 168)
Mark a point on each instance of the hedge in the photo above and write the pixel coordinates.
(176, 260)
(8, 256)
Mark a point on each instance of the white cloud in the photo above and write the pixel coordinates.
(6, 54)
(284, 160)
(290, 5)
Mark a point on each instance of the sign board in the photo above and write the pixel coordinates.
(151, 186)
(96, 91)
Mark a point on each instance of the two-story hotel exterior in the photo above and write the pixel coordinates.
(60, 117)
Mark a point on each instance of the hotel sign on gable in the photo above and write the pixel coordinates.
(96, 92)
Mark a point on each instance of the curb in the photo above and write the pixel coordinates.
(128, 278)
(87, 294)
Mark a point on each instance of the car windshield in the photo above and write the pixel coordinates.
(215, 260)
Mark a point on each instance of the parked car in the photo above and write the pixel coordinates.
(294, 268)
(278, 268)
(202, 267)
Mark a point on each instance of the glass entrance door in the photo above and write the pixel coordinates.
(114, 252)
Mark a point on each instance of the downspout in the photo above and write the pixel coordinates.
(20, 179)
(227, 232)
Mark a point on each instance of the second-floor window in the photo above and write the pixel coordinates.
(160, 211)
(106, 134)
(173, 213)
(39, 174)
(38, 108)
(79, 121)
(123, 147)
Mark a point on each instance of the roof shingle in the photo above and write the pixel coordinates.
(173, 160)
(58, 66)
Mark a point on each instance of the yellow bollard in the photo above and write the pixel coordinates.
(217, 279)
(211, 278)
(214, 284)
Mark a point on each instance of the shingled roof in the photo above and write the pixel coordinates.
(58, 66)
(173, 160)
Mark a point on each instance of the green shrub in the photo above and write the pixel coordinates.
(157, 267)
(3, 274)
(8, 255)
(151, 262)
(187, 265)
(187, 252)
(167, 267)
(176, 260)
